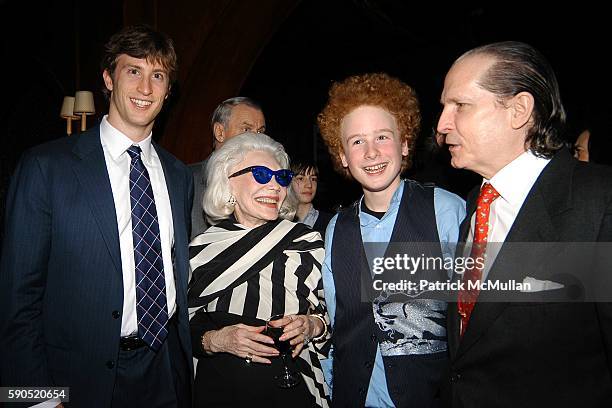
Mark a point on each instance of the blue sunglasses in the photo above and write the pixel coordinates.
(263, 175)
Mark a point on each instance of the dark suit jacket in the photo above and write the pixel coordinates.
(539, 354)
(198, 218)
(61, 287)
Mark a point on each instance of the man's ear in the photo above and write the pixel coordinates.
(108, 80)
(405, 148)
(219, 132)
(521, 106)
(343, 159)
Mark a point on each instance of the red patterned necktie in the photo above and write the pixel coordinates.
(468, 296)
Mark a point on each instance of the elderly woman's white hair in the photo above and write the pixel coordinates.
(217, 193)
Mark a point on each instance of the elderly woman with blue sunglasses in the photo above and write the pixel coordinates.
(252, 264)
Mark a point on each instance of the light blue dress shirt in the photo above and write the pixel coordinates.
(450, 211)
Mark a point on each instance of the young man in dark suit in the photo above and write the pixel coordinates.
(503, 119)
(94, 270)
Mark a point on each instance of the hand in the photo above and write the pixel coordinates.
(297, 329)
(242, 341)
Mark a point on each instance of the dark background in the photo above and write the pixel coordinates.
(285, 54)
(417, 42)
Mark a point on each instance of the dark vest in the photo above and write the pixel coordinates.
(412, 379)
(321, 223)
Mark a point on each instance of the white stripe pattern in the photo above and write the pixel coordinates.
(304, 251)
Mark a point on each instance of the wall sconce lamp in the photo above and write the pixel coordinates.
(67, 113)
(84, 105)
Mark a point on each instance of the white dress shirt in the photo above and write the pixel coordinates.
(115, 145)
(513, 183)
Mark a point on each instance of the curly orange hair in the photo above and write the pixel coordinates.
(379, 90)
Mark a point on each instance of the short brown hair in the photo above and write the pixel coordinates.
(304, 167)
(141, 41)
(379, 90)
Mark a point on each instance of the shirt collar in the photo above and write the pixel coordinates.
(312, 212)
(117, 143)
(393, 206)
(526, 168)
(311, 216)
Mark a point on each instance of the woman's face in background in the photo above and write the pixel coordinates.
(305, 186)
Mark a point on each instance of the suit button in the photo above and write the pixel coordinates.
(116, 314)
(110, 364)
(368, 364)
(455, 377)
(373, 337)
(362, 391)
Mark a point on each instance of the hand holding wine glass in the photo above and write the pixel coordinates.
(241, 340)
(299, 329)
(275, 328)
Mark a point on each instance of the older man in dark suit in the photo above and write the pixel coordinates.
(232, 117)
(502, 118)
(94, 270)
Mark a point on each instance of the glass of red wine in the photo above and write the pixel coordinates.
(288, 378)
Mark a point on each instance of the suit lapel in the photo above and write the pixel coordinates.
(550, 196)
(464, 228)
(453, 320)
(91, 172)
(176, 193)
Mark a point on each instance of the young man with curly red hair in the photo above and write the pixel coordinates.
(389, 349)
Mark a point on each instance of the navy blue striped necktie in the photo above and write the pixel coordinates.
(151, 303)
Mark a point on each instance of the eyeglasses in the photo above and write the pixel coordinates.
(263, 175)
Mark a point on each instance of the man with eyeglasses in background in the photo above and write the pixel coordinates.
(232, 117)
